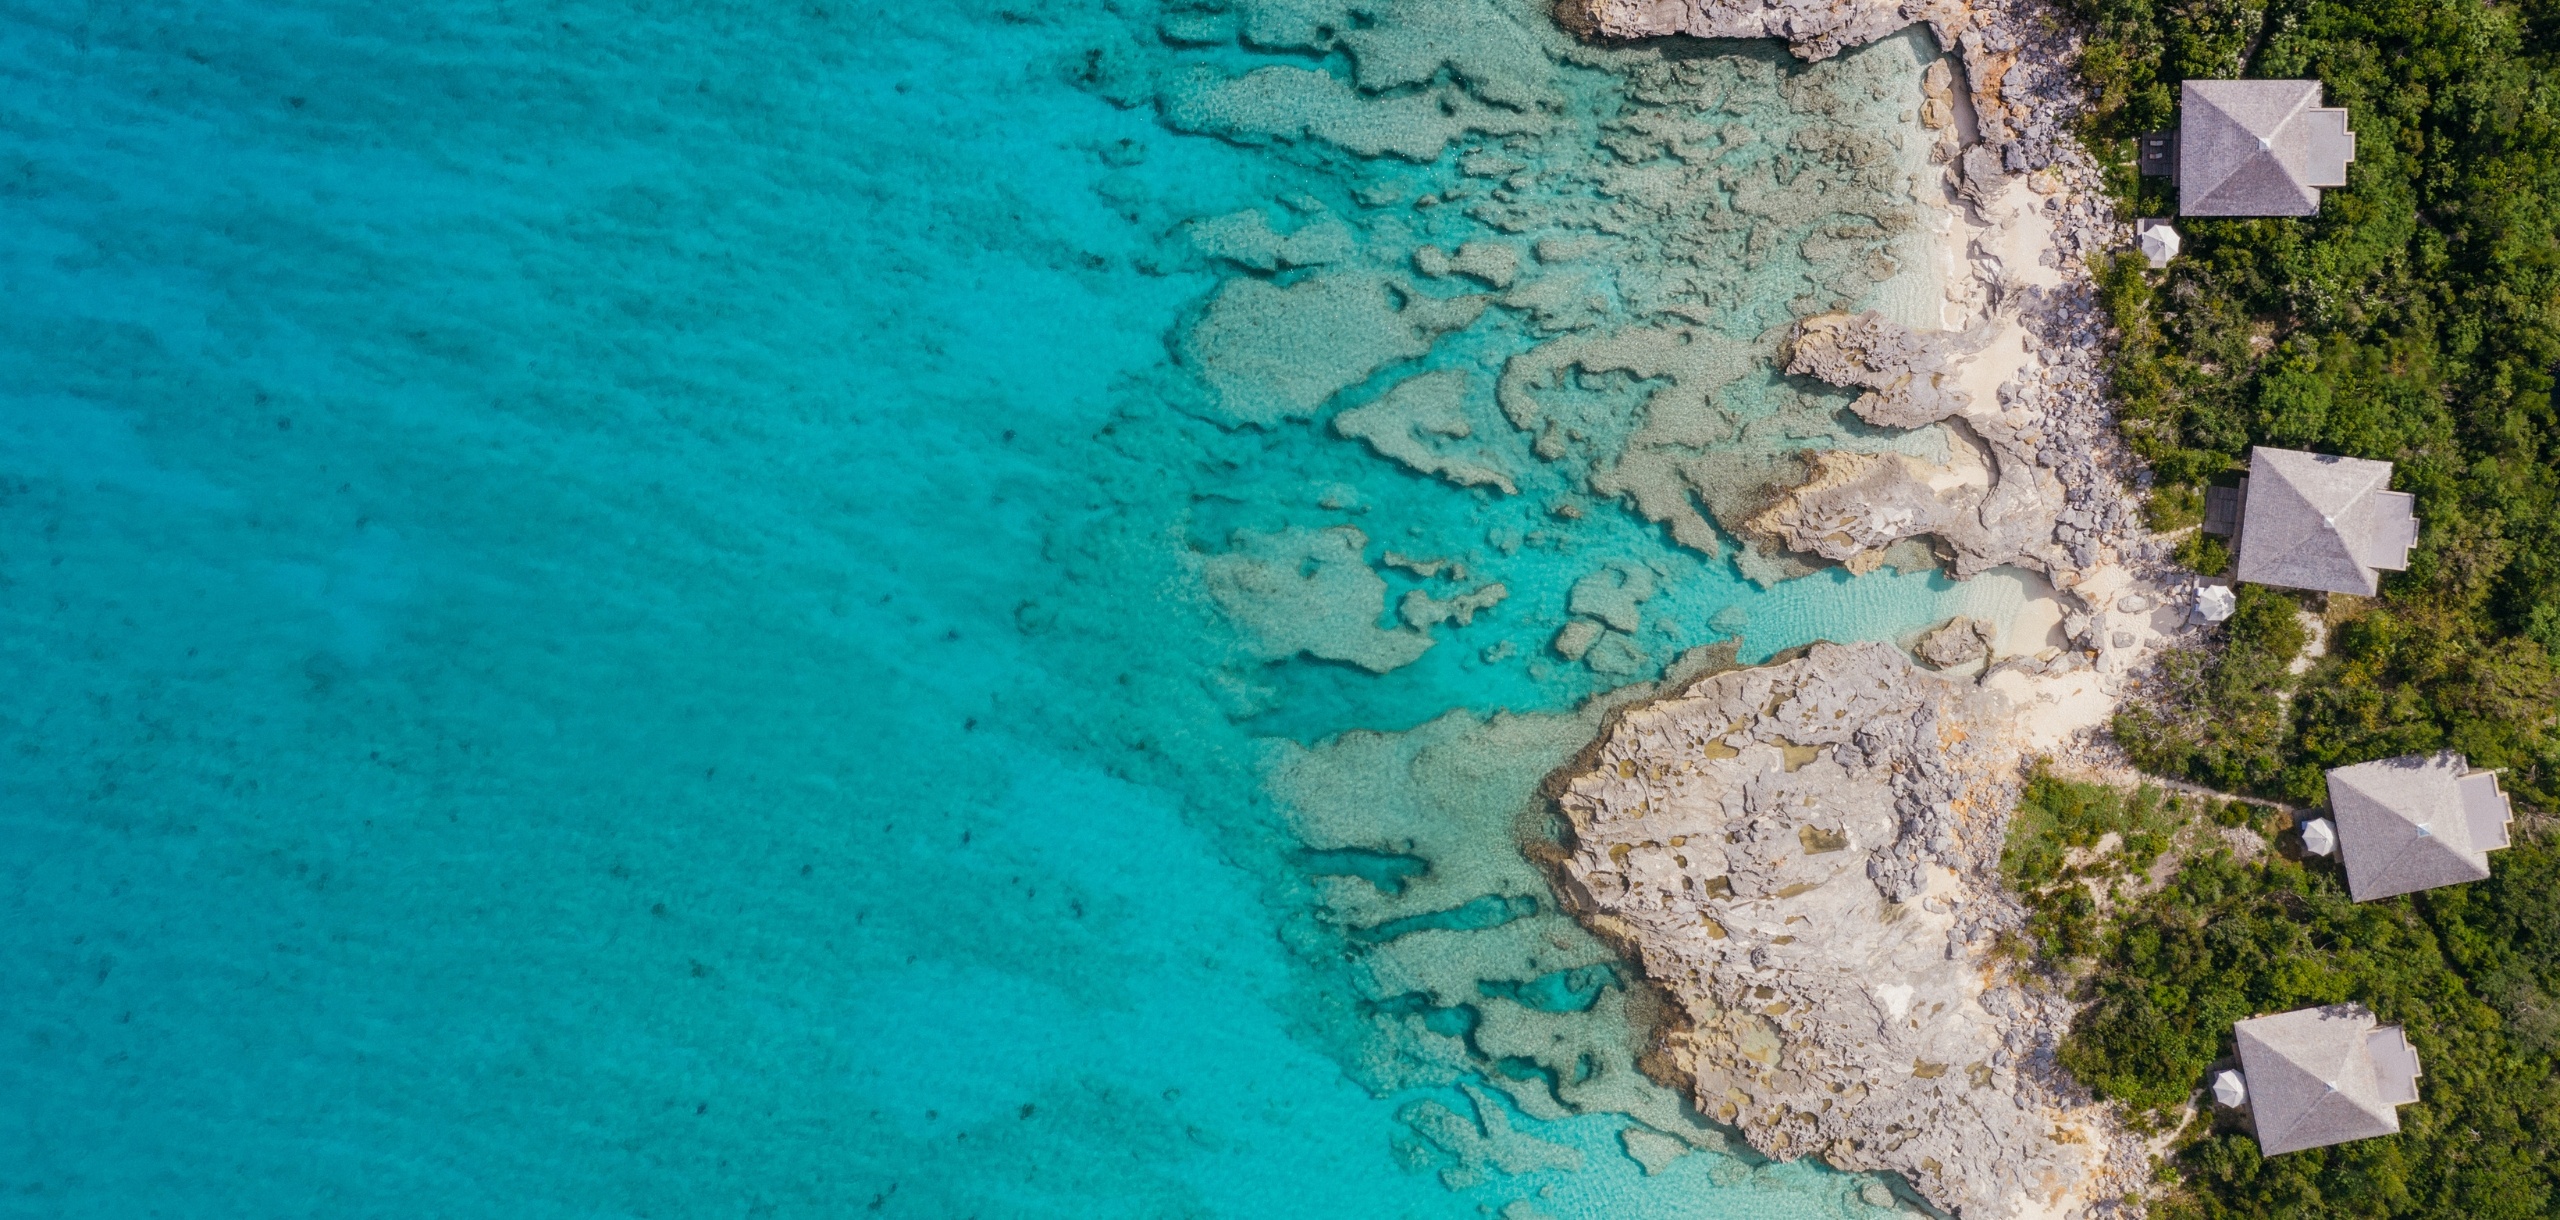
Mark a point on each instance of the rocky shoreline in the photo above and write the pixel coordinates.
(1804, 856)
(2017, 63)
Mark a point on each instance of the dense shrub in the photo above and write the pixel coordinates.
(2470, 972)
(2415, 319)
(2218, 713)
(2056, 816)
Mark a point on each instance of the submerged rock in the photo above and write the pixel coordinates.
(1576, 638)
(1247, 238)
(1490, 261)
(1420, 610)
(1307, 591)
(1271, 353)
(1417, 423)
(1613, 595)
(1474, 982)
(2018, 62)
(1814, 29)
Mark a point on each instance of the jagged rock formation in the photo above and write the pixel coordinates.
(1854, 505)
(2017, 68)
(1958, 641)
(1804, 857)
(1909, 377)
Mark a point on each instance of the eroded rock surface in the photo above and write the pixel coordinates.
(1909, 376)
(2017, 65)
(1958, 641)
(1804, 855)
(1853, 506)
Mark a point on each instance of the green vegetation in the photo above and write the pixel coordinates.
(2205, 553)
(2220, 717)
(2056, 816)
(2471, 972)
(2416, 319)
(2458, 968)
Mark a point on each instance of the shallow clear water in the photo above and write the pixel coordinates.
(698, 610)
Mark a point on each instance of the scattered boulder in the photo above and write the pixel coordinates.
(1984, 174)
(1958, 641)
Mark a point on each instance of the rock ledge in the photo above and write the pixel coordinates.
(1804, 856)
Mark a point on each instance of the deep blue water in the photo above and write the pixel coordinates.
(601, 614)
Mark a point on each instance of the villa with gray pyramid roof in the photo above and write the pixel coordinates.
(2321, 1076)
(2416, 823)
(2315, 521)
(2258, 148)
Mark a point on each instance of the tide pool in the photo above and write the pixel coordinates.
(696, 609)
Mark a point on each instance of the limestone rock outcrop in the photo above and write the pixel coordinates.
(1814, 29)
(2017, 66)
(1958, 641)
(1804, 857)
(1910, 377)
(1853, 505)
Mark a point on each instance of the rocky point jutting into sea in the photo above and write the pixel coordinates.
(1804, 856)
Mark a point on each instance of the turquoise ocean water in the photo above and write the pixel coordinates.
(696, 609)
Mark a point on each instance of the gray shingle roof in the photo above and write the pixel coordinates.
(2258, 148)
(2316, 521)
(2321, 1076)
(2414, 823)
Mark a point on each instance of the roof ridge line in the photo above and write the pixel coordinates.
(2299, 105)
(2281, 485)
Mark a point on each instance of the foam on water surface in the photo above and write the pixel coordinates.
(707, 609)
